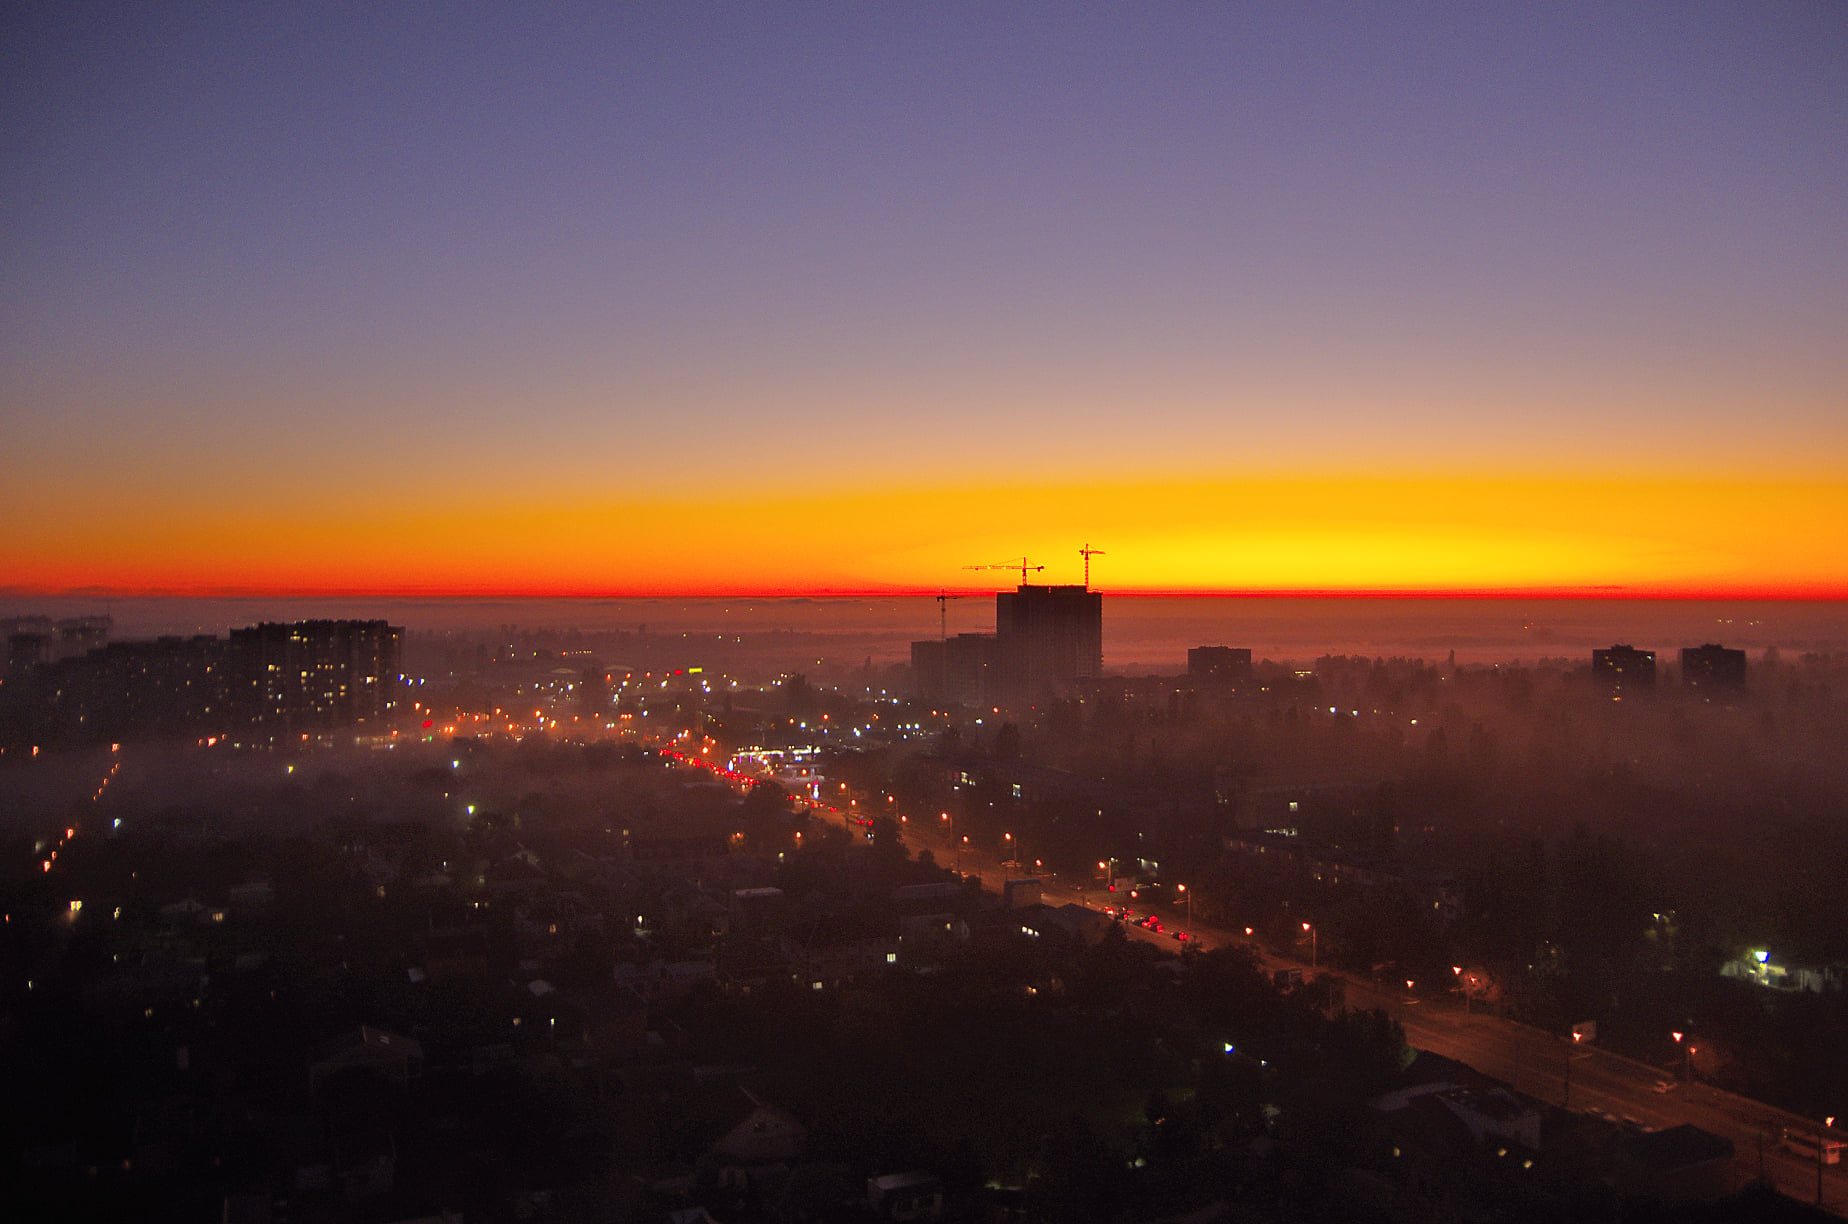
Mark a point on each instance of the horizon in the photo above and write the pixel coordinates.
(1142, 633)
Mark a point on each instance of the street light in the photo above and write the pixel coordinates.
(1822, 1138)
(1458, 970)
(1182, 889)
(1687, 1056)
(1309, 927)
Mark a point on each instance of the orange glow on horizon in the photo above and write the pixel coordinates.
(1592, 536)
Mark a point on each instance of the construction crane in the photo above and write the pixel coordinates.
(943, 611)
(1087, 552)
(1020, 565)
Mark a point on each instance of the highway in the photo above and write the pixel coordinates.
(1528, 1060)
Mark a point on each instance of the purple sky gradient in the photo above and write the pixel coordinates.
(548, 244)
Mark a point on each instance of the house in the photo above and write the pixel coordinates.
(1495, 1115)
(839, 947)
(761, 1134)
(931, 930)
(905, 1196)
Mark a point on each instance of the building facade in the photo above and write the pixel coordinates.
(1624, 668)
(1219, 664)
(1712, 667)
(262, 684)
(1047, 639)
(956, 670)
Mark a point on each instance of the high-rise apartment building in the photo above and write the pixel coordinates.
(263, 683)
(1219, 664)
(1712, 666)
(957, 670)
(314, 674)
(1047, 638)
(1624, 668)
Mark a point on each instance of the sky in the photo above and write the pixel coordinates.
(703, 299)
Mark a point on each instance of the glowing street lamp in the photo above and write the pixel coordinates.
(1822, 1141)
(1309, 929)
(1687, 1055)
(1182, 889)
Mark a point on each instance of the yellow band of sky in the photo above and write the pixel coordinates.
(1577, 535)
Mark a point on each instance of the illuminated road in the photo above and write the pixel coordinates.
(1533, 1062)
(1526, 1059)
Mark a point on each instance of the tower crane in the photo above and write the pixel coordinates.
(1087, 552)
(1020, 565)
(943, 612)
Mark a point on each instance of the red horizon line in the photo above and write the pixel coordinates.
(1786, 593)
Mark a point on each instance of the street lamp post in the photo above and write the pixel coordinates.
(1182, 889)
(1309, 928)
(1822, 1137)
(1687, 1056)
(1464, 983)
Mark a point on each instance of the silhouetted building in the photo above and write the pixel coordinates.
(954, 669)
(26, 649)
(1624, 668)
(261, 683)
(35, 641)
(1223, 664)
(1047, 638)
(1712, 667)
(313, 675)
(79, 635)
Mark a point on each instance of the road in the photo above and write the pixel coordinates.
(1526, 1059)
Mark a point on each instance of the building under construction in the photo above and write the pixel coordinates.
(1046, 640)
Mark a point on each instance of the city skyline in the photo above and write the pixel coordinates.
(844, 300)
